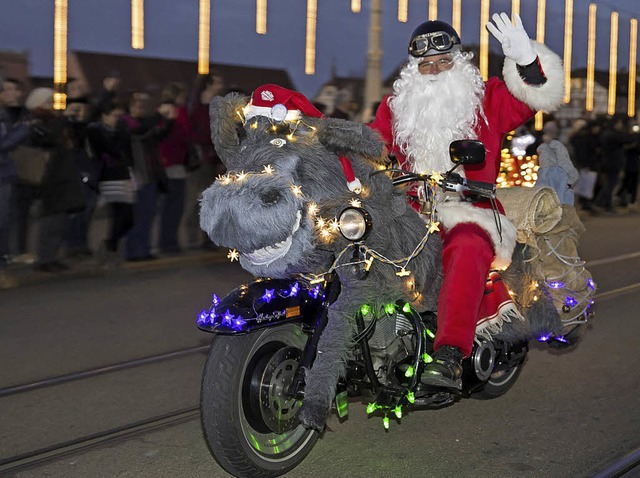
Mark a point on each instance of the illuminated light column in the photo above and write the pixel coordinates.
(403, 10)
(568, 43)
(356, 6)
(515, 9)
(60, 54)
(373, 80)
(633, 51)
(456, 16)
(591, 56)
(613, 64)
(542, 7)
(310, 49)
(433, 9)
(204, 34)
(484, 39)
(261, 17)
(137, 24)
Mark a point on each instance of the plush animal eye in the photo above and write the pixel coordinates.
(278, 142)
(271, 196)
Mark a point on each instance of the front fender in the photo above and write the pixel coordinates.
(262, 303)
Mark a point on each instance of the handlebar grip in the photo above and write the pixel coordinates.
(481, 188)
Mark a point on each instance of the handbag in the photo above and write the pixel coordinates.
(586, 183)
(31, 164)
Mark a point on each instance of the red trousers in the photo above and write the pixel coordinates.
(466, 260)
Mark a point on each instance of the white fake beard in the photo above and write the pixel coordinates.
(431, 111)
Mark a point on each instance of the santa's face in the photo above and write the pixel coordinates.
(436, 100)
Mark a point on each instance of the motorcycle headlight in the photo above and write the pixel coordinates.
(354, 223)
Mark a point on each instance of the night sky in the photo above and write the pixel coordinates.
(172, 29)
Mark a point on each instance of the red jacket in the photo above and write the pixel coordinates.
(175, 146)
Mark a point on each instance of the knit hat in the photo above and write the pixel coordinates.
(38, 97)
(280, 104)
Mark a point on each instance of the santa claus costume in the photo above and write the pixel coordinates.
(440, 97)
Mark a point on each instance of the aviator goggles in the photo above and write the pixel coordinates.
(438, 41)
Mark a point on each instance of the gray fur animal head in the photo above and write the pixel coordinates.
(283, 178)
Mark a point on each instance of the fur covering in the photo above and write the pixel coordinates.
(546, 97)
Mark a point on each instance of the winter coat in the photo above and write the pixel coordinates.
(110, 150)
(586, 150)
(12, 134)
(175, 146)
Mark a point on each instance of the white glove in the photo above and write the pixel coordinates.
(514, 39)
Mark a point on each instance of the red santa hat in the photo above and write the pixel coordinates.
(280, 104)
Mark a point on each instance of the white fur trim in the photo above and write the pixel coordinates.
(251, 110)
(547, 97)
(453, 213)
(355, 186)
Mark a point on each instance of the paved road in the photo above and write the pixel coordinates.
(569, 414)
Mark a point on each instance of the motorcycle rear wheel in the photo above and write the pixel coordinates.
(250, 426)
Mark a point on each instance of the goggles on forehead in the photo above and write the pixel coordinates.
(435, 41)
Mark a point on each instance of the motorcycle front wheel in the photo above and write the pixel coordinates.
(250, 424)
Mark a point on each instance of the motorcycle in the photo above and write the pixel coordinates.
(267, 334)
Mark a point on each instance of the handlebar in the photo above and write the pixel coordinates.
(450, 182)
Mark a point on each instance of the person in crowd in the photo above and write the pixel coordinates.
(110, 92)
(628, 192)
(587, 152)
(77, 114)
(61, 188)
(441, 97)
(206, 88)
(174, 151)
(147, 127)
(616, 138)
(15, 128)
(342, 109)
(556, 168)
(110, 147)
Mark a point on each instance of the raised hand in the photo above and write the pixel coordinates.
(513, 38)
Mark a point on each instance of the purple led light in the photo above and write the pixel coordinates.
(203, 317)
(268, 295)
(570, 301)
(315, 292)
(212, 316)
(590, 284)
(238, 323)
(215, 300)
(295, 288)
(556, 285)
(227, 318)
(560, 338)
(544, 338)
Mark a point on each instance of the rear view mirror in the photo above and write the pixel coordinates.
(467, 151)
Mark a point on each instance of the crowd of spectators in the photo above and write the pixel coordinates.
(136, 157)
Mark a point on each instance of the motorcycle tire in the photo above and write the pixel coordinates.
(250, 426)
(499, 383)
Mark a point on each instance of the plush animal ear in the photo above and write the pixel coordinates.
(343, 136)
(225, 116)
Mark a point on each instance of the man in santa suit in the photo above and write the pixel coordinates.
(440, 97)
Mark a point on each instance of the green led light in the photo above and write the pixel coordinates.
(372, 407)
(427, 358)
(430, 334)
(385, 423)
(342, 404)
(409, 372)
(365, 309)
(406, 308)
(411, 398)
(398, 411)
(390, 309)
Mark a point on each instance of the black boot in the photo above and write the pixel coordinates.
(445, 370)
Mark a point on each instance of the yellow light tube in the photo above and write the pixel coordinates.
(204, 34)
(515, 9)
(456, 16)
(613, 64)
(591, 56)
(568, 44)
(137, 24)
(542, 8)
(433, 9)
(310, 48)
(403, 10)
(60, 54)
(356, 6)
(261, 17)
(633, 78)
(484, 38)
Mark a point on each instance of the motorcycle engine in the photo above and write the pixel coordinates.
(391, 342)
